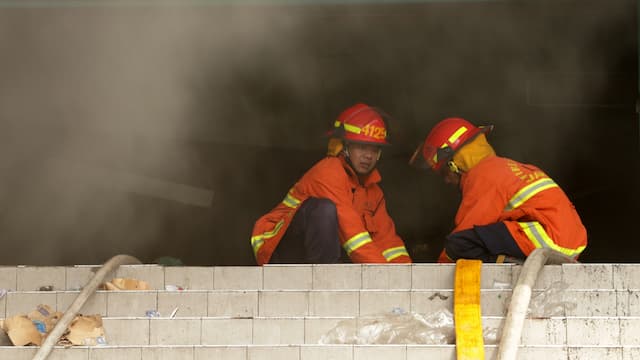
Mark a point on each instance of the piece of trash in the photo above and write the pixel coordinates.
(173, 288)
(46, 288)
(85, 330)
(32, 328)
(173, 313)
(553, 301)
(3, 293)
(152, 313)
(40, 326)
(101, 341)
(126, 284)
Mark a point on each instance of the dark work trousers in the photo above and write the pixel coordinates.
(484, 243)
(312, 236)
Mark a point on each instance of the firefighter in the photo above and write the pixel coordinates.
(337, 204)
(508, 209)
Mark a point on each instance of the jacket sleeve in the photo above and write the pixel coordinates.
(482, 204)
(392, 246)
(333, 184)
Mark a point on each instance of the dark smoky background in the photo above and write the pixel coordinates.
(168, 128)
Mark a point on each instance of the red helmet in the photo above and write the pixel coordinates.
(361, 124)
(445, 139)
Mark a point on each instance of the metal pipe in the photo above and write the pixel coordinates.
(74, 308)
(512, 330)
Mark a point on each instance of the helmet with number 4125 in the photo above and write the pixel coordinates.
(362, 124)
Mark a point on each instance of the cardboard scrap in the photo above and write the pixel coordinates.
(126, 284)
(22, 331)
(32, 328)
(85, 330)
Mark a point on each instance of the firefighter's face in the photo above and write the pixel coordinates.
(363, 157)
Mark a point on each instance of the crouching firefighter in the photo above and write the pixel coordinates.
(337, 204)
(508, 209)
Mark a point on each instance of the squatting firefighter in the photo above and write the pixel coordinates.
(508, 208)
(336, 204)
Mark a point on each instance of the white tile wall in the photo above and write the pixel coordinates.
(383, 302)
(334, 352)
(189, 277)
(593, 331)
(237, 277)
(111, 353)
(348, 276)
(126, 331)
(387, 276)
(379, 352)
(32, 278)
(189, 303)
(167, 353)
(432, 276)
(220, 352)
(175, 331)
(591, 276)
(227, 331)
(273, 352)
(96, 304)
(283, 277)
(8, 277)
(334, 303)
(236, 303)
(283, 303)
(131, 303)
(278, 331)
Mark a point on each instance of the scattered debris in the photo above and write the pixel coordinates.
(31, 329)
(126, 284)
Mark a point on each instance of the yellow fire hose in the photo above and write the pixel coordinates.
(466, 308)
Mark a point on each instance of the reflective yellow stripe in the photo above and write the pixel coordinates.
(336, 123)
(539, 237)
(356, 241)
(290, 200)
(457, 134)
(529, 191)
(258, 240)
(394, 252)
(352, 129)
(466, 308)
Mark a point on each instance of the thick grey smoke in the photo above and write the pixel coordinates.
(168, 129)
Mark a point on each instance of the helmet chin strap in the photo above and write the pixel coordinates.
(453, 167)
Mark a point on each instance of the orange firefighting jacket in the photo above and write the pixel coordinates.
(535, 210)
(365, 229)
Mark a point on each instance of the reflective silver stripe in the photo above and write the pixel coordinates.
(394, 252)
(290, 200)
(356, 241)
(258, 240)
(529, 191)
(539, 237)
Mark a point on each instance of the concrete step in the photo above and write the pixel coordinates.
(265, 303)
(569, 331)
(322, 277)
(317, 352)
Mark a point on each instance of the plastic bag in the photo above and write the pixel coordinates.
(553, 301)
(397, 327)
